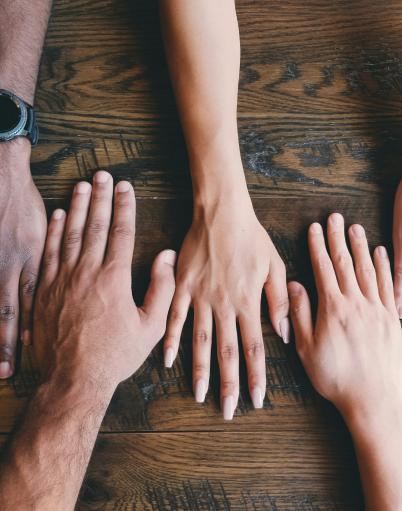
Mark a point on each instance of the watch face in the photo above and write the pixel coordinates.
(10, 114)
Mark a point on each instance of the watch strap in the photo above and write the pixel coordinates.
(31, 127)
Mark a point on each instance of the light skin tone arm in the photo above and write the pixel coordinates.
(353, 352)
(22, 214)
(397, 236)
(227, 259)
(88, 336)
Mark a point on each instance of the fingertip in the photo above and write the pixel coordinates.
(58, 214)
(169, 257)
(123, 187)
(357, 231)
(83, 187)
(169, 357)
(102, 177)
(315, 228)
(6, 370)
(295, 289)
(336, 219)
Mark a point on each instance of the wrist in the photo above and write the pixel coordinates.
(15, 157)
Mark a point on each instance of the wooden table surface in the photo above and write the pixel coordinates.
(320, 117)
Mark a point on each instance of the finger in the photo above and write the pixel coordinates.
(160, 293)
(254, 353)
(9, 311)
(364, 268)
(98, 223)
(340, 255)
(202, 344)
(75, 224)
(300, 311)
(397, 238)
(384, 278)
(324, 273)
(278, 300)
(122, 233)
(177, 318)
(228, 359)
(28, 283)
(52, 252)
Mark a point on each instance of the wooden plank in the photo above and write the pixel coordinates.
(222, 471)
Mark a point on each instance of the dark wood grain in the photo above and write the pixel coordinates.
(320, 119)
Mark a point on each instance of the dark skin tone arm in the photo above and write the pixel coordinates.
(22, 214)
(89, 335)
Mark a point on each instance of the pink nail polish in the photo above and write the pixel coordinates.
(228, 408)
(284, 327)
(169, 358)
(200, 390)
(257, 397)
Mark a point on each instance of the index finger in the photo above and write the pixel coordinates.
(323, 269)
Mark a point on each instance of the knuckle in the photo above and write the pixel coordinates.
(255, 348)
(281, 305)
(201, 337)
(199, 368)
(96, 228)
(228, 387)
(398, 271)
(228, 351)
(7, 313)
(72, 238)
(365, 270)
(29, 285)
(121, 231)
(6, 351)
(50, 258)
(342, 259)
(176, 315)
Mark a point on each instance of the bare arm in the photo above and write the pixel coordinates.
(353, 352)
(88, 337)
(22, 30)
(227, 258)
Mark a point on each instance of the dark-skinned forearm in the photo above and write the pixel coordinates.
(23, 26)
(46, 461)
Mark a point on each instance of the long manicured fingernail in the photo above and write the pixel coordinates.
(257, 397)
(200, 390)
(228, 408)
(358, 231)
(169, 357)
(102, 176)
(5, 370)
(169, 257)
(26, 337)
(123, 186)
(284, 327)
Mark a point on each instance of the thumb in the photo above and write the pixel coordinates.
(300, 312)
(160, 293)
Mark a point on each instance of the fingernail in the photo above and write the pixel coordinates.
(336, 219)
(316, 227)
(169, 357)
(228, 408)
(83, 187)
(358, 231)
(58, 214)
(400, 311)
(102, 176)
(170, 257)
(257, 397)
(123, 186)
(200, 390)
(284, 327)
(5, 370)
(26, 337)
(382, 252)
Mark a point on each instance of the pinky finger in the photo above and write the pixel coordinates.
(384, 278)
(177, 318)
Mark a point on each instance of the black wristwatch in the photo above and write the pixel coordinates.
(17, 118)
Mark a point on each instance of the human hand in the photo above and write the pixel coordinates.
(353, 353)
(87, 327)
(225, 262)
(397, 236)
(22, 237)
